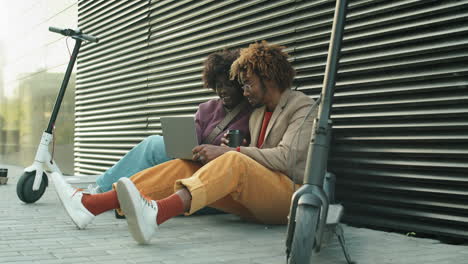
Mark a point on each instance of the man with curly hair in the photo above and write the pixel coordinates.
(255, 182)
(151, 151)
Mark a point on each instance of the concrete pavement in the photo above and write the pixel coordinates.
(43, 233)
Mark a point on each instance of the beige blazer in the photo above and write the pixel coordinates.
(281, 146)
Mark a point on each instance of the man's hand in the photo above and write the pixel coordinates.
(206, 153)
(225, 141)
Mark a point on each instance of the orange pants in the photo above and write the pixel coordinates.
(233, 183)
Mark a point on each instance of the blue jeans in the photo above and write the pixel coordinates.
(146, 154)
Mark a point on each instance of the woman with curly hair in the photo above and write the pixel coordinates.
(151, 151)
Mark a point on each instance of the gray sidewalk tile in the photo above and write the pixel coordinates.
(43, 233)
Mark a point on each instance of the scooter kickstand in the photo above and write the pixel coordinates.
(340, 235)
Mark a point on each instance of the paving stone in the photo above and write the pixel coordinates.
(43, 233)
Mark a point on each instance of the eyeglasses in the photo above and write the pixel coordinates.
(246, 87)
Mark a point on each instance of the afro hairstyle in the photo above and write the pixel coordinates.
(267, 61)
(218, 64)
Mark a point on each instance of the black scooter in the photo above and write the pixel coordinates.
(313, 212)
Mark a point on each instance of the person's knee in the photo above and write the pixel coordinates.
(154, 140)
(234, 156)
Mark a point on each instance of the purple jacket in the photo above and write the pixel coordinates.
(211, 113)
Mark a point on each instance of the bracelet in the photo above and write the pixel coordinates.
(238, 149)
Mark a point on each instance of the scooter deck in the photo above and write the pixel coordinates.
(81, 181)
(335, 212)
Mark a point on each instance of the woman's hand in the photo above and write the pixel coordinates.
(206, 153)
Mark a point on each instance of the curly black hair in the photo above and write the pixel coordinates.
(218, 64)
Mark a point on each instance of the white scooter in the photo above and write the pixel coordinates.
(32, 184)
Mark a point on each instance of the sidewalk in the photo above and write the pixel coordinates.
(43, 233)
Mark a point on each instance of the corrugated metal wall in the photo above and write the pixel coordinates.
(400, 135)
(401, 131)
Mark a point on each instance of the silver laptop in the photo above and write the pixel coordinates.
(180, 136)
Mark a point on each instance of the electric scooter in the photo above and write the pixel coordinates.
(32, 184)
(312, 214)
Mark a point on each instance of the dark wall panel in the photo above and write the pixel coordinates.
(400, 134)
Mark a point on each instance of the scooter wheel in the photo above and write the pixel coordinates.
(24, 187)
(307, 220)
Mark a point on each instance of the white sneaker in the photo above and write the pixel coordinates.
(71, 199)
(140, 212)
(93, 189)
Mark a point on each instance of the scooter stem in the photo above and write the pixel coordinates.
(66, 79)
(318, 149)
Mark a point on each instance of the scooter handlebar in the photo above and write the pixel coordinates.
(73, 33)
(89, 38)
(57, 30)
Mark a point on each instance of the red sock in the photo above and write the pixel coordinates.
(101, 202)
(169, 207)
